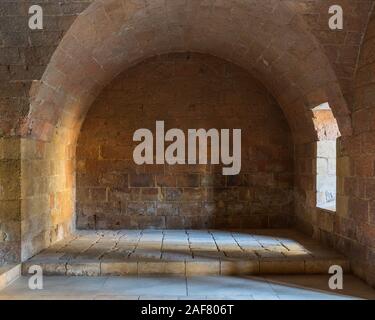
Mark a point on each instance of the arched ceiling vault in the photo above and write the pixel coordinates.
(266, 37)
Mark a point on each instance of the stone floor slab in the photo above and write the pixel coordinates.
(186, 252)
(272, 287)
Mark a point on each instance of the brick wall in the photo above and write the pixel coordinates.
(186, 91)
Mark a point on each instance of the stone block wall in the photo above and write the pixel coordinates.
(10, 211)
(25, 54)
(30, 214)
(187, 91)
(36, 195)
(351, 229)
(343, 47)
(47, 193)
(356, 224)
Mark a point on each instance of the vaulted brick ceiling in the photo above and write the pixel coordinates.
(269, 38)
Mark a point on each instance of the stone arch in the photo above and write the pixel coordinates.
(269, 39)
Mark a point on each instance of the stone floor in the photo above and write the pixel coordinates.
(297, 287)
(187, 253)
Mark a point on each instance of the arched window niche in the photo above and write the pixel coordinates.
(328, 132)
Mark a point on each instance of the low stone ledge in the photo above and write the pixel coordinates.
(189, 267)
(8, 274)
(321, 266)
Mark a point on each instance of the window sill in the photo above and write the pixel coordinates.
(327, 208)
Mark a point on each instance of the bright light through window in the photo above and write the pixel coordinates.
(327, 129)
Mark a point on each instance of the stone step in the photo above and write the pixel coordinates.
(8, 274)
(190, 252)
(79, 267)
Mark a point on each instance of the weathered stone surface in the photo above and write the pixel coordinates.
(161, 267)
(8, 274)
(50, 268)
(185, 252)
(282, 267)
(322, 266)
(176, 194)
(202, 267)
(76, 268)
(239, 267)
(118, 268)
(296, 48)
